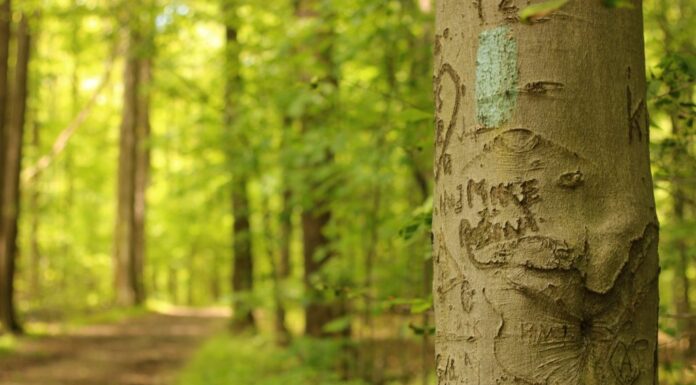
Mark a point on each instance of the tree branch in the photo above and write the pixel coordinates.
(64, 137)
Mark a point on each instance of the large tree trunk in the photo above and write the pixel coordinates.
(132, 176)
(545, 233)
(10, 180)
(243, 267)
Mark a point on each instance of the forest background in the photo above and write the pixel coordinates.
(279, 162)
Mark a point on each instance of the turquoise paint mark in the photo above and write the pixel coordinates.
(496, 76)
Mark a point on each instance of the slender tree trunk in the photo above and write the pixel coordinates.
(191, 268)
(682, 297)
(5, 34)
(124, 237)
(243, 267)
(284, 265)
(132, 175)
(10, 181)
(282, 334)
(285, 261)
(215, 287)
(317, 215)
(141, 178)
(35, 211)
(173, 285)
(318, 313)
(545, 232)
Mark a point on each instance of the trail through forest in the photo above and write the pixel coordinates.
(147, 350)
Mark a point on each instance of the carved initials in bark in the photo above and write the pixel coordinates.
(447, 77)
(507, 6)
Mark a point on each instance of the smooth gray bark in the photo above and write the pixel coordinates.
(545, 233)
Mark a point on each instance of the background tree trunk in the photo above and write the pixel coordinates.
(132, 174)
(316, 215)
(10, 181)
(284, 263)
(243, 267)
(545, 233)
(5, 34)
(142, 171)
(682, 284)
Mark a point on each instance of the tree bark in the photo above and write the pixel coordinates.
(545, 232)
(10, 181)
(133, 169)
(243, 266)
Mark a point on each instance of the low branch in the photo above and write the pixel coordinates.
(64, 137)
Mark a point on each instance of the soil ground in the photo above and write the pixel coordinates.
(146, 350)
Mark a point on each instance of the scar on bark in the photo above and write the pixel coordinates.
(479, 8)
(634, 122)
(510, 11)
(571, 180)
(542, 87)
(506, 6)
(634, 115)
(467, 296)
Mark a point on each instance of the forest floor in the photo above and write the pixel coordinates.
(145, 350)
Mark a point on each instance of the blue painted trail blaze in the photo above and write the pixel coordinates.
(496, 77)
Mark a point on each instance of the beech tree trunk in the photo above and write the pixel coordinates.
(129, 254)
(243, 263)
(10, 179)
(545, 232)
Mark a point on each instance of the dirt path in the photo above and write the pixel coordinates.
(147, 350)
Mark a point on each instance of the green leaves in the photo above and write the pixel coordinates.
(535, 12)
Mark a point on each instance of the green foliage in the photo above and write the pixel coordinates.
(7, 344)
(258, 361)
